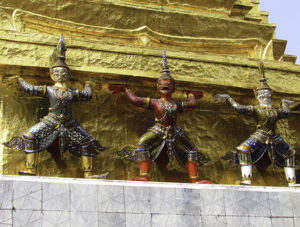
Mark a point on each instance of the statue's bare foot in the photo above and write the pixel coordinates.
(139, 178)
(100, 176)
(203, 182)
(26, 172)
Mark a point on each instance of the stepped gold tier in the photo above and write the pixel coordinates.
(212, 46)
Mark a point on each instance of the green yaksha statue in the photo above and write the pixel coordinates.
(164, 140)
(58, 131)
(265, 139)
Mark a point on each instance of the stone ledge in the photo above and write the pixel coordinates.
(45, 201)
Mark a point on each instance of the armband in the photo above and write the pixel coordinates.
(147, 102)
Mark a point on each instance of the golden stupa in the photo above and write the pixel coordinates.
(212, 45)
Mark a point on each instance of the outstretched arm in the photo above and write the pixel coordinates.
(190, 103)
(284, 110)
(137, 101)
(249, 110)
(86, 93)
(31, 89)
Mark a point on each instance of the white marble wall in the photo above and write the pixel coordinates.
(41, 201)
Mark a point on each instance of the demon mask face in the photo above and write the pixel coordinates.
(264, 97)
(59, 74)
(166, 86)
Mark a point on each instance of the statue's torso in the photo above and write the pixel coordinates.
(166, 112)
(266, 118)
(60, 101)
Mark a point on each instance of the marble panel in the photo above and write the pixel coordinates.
(212, 221)
(295, 197)
(27, 195)
(236, 202)
(56, 219)
(188, 201)
(237, 221)
(82, 218)
(84, 197)
(188, 220)
(212, 202)
(68, 202)
(6, 218)
(111, 198)
(296, 221)
(280, 204)
(27, 218)
(138, 220)
(282, 222)
(164, 220)
(56, 196)
(137, 200)
(258, 204)
(260, 221)
(6, 192)
(112, 219)
(163, 200)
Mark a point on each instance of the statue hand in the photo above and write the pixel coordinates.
(197, 94)
(221, 97)
(91, 83)
(288, 102)
(11, 79)
(229, 157)
(117, 88)
(19, 78)
(296, 108)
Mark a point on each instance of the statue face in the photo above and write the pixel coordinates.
(59, 74)
(166, 86)
(264, 97)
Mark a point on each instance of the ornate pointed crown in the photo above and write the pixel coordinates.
(263, 81)
(165, 69)
(58, 57)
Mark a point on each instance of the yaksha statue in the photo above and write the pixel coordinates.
(265, 139)
(58, 131)
(164, 140)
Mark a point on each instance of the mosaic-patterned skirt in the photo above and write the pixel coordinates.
(260, 143)
(69, 134)
(160, 143)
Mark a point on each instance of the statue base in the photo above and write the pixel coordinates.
(46, 201)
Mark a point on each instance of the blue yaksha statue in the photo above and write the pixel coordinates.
(58, 131)
(265, 139)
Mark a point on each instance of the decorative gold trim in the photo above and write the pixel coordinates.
(147, 102)
(291, 180)
(289, 153)
(50, 25)
(177, 6)
(29, 134)
(246, 178)
(44, 90)
(190, 95)
(162, 118)
(77, 93)
(142, 174)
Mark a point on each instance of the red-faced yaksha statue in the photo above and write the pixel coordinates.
(164, 140)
